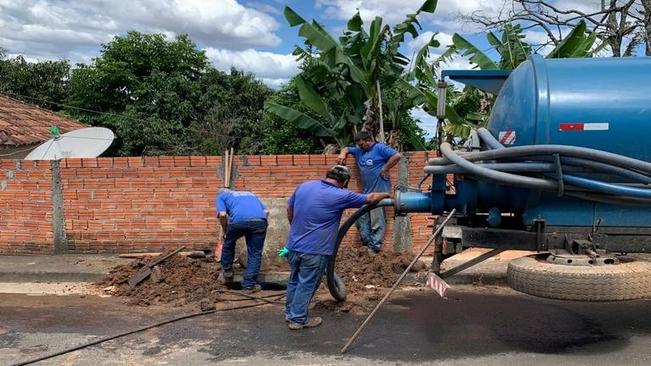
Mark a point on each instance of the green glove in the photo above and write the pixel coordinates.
(284, 252)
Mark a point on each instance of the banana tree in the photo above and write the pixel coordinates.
(473, 105)
(356, 70)
(513, 50)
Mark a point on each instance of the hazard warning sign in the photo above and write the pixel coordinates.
(507, 137)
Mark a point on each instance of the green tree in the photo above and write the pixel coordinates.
(41, 83)
(162, 96)
(233, 108)
(513, 50)
(359, 70)
(146, 88)
(281, 136)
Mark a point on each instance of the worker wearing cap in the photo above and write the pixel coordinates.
(241, 214)
(314, 211)
(374, 160)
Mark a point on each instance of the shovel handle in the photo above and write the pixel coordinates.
(159, 260)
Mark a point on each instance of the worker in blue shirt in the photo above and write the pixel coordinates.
(242, 213)
(374, 160)
(314, 211)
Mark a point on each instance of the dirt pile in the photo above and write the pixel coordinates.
(362, 271)
(177, 281)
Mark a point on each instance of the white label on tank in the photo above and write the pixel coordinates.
(595, 126)
(507, 137)
(580, 126)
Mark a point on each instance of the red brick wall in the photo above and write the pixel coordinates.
(25, 207)
(151, 203)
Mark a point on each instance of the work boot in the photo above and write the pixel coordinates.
(226, 276)
(310, 323)
(252, 290)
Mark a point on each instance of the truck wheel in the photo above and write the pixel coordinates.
(630, 279)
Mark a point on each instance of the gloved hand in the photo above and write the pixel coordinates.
(284, 252)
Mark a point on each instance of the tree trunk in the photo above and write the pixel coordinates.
(647, 25)
(379, 100)
(614, 40)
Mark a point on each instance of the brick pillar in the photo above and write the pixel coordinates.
(58, 219)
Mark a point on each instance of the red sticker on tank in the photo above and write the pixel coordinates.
(507, 137)
(579, 126)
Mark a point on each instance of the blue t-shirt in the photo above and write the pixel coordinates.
(370, 165)
(318, 206)
(240, 205)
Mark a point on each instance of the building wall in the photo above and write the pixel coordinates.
(129, 204)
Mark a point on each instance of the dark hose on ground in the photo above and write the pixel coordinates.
(335, 284)
(142, 329)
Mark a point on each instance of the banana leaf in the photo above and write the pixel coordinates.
(301, 119)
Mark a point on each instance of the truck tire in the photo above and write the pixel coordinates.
(628, 280)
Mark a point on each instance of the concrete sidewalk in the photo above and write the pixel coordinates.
(57, 268)
(93, 267)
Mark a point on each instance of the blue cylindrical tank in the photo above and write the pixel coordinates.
(600, 103)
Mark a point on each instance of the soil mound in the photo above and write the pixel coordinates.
(362, 271)
(177, 281)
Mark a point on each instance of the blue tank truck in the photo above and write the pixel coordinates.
(563, 168)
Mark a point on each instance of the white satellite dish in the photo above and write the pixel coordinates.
(82, 143)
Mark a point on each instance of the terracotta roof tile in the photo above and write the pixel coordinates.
(24, 124)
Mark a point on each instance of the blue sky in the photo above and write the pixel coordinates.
(251, 35)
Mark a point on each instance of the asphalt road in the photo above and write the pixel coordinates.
(487, 326)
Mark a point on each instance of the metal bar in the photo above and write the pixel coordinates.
(377, 307)
(472, 262)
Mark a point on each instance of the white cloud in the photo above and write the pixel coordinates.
(417, 43)
(578, 5)
(425, 120)
(274, 83)
(272, 68)
(394, 11)
(65, 29)
(536, 37)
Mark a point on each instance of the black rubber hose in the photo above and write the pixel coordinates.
(490, 141)
(610, 199)
(565, 150)
(494, 175)
(142, 329)
(335, 284)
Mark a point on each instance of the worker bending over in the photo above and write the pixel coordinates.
(314, 211)
(374, 160)
(242, 214)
